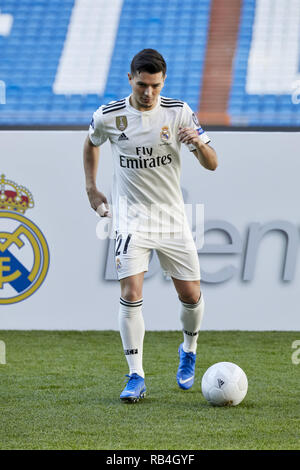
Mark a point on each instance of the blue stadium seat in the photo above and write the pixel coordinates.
(30, 55)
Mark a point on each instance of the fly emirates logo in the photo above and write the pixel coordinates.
(144, 159)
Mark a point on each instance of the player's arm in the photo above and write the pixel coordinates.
(91, 155)
(204, 152)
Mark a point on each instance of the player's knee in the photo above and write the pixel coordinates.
(190, 297)
(131, 295)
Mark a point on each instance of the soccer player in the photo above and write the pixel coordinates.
(146, 131)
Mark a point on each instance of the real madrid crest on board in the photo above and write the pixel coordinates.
(24, 253)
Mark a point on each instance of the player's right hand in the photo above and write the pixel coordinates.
(96, 199)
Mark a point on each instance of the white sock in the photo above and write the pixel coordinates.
(191, 318)
(132, 331)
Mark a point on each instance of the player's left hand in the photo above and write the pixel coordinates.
(187, 135)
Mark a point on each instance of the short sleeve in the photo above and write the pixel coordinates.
(190, 119)
(97, 133)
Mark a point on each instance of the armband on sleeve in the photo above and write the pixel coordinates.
(190, 119)
(203, 136)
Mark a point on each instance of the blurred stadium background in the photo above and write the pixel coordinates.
(236, 62)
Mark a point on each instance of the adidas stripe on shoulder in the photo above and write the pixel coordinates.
(114, 106)
(171, 103)
(114, 103)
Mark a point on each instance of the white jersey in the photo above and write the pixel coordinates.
(146, 192)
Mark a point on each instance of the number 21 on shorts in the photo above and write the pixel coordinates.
(122, 247)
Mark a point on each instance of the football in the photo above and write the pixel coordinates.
(224, 383)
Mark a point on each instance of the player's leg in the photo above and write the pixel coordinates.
(131, 322)
(132, 260)
(179, 259)
(132, 287)
(191, 314)
(191, 311)
(132, 330)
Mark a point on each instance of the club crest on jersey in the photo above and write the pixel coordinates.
(165, 134)
(118, 263)
(121, 123)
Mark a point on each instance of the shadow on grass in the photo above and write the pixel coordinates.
(180, 405)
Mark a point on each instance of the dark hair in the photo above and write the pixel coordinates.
(148, 60)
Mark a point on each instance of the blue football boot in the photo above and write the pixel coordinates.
(186, 369)
(134, 390)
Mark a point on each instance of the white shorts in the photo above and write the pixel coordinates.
(178, 257)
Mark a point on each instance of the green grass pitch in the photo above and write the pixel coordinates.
(60, 390)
